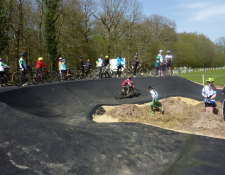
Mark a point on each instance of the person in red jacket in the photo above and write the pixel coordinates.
(128, 84)
(39, 66)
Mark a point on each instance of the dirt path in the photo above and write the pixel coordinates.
(180, 114)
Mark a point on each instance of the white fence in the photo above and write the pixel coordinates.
(178, 71)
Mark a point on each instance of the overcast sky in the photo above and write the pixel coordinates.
(202, 16)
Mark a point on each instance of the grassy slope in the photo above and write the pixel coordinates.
(218, 75)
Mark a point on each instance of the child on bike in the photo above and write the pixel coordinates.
(39, 66)
(23, 67)
(128, 84)
(2, 73)
(155, 100)
(60, 62)
(63, 67)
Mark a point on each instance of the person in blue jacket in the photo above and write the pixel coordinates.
(119, 65)
(63, 67)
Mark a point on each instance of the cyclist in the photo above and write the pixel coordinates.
(155, 100)
(168, 59)
(63, 67)
(119, 65)
(100, 64)
(209, 92)
(160, 59)
(39, 66)
(87, 67)
(23, 67)
(135, 64)
(128, 84)
(106, 61)
(2, 73)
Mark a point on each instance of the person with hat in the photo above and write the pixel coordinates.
(128, 84)
(168, 59)
(209, 93)
(155, 100)
(82, 66)
(39, 66)
(3, 66)
(119, 65)
(87, 67)
(60, 62)
(63, 67)
(23, 67)
(135, 64)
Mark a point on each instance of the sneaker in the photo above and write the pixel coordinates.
(1, 85)
(117, 76)
(25, 84)
(8, 84)
(134, 76)
(152, 113)
(161, 109)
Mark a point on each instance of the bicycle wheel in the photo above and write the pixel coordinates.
(55, 76)
(72, 76)
(35, 78)
(18, 79)
(118, 95)
(136, 92)
(49, 77)
(9, 78)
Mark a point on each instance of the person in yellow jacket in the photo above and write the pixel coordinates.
(60, 62)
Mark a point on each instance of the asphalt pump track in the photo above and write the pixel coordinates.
(48, 129)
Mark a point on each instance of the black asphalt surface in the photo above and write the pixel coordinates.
(48, 129)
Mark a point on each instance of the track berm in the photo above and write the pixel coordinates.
(48, 129)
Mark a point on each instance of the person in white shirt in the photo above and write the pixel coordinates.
(209, 93)
(168, 59)
(100, 64)
(155, 100)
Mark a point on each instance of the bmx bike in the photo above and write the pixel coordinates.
(125, 93)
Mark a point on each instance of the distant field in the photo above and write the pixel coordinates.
(218, 75)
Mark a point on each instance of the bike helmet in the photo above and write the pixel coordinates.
(130, 77)
(119, 55)
(23, 54)
(136, 53)
(160, 50)
(210, 79)
(63, 59)
(81, 57)
(40, 58)
(168, 51)
(101, 55)
(106, 56)
(1, 59)
(60, 58)
(150, 87)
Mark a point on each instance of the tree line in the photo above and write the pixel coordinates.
(88, 28)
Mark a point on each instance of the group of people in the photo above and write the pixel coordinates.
(160, 63)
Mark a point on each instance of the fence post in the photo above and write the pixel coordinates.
(203, 77)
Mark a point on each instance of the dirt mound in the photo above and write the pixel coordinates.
(178, 115)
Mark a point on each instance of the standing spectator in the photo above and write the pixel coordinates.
(155, 100)
(63, 67)
(82, 66)
(223, 107)
(2, 73)
(119, 65)
(209, 92)
(135, 64)
(23, 67)
(60, 62)
(157, 65)
(160, 63)
(100, 64)
(88, 67)
(39, 67)
(168, 59)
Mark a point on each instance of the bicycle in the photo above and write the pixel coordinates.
(122, 72)
(130, 71)
(125, 93)
(19, 78)
(8, 76)
(46, 75)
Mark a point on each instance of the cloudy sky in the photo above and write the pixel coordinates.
(202, 16)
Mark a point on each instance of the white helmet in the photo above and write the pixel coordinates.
(60, 58)
(160, 50)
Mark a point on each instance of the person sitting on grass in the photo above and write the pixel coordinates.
(128, 84)
(155, 100)
(209, 92)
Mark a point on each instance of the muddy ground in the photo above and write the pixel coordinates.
(180, 114)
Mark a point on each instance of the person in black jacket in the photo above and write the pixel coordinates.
(135, 64)
(223, 106)
(82, 66)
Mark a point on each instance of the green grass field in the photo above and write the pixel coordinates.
(218, 75)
